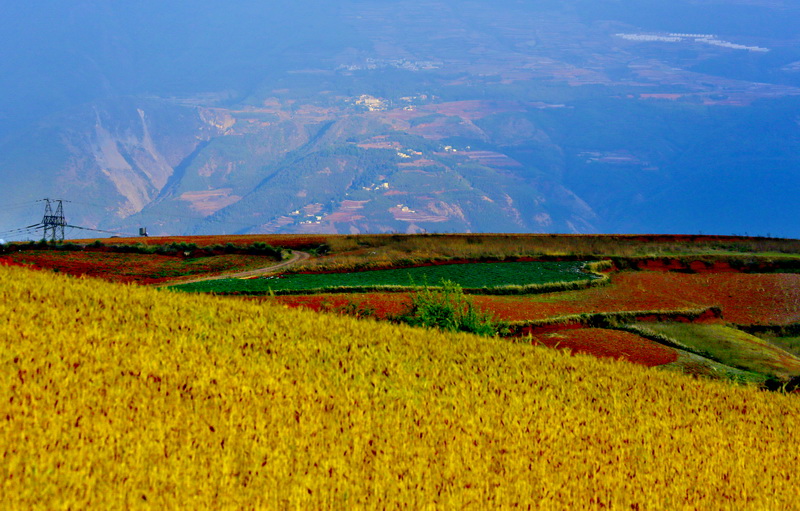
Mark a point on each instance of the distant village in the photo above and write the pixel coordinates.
(405, 64)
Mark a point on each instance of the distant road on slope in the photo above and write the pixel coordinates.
(297, 256)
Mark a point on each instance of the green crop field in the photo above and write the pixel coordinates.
(474, 276)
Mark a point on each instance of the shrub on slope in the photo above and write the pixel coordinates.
(448, 309)
(121, 396)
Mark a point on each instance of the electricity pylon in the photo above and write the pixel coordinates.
(54, 223)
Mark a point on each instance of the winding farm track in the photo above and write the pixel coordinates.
(297, 256)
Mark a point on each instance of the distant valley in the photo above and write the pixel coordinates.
(432, 118)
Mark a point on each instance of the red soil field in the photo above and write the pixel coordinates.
(609, 344)
(126, 268)
(744, 298)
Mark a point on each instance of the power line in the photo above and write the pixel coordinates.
(21, 234)
(99, 230)
(167, 215)
(26, 227)
(30, 227)
(161, 216)
(20, 204)
(89, 204)
(53, 224)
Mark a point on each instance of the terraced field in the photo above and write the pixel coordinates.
(603, 343)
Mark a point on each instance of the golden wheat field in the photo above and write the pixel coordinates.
(118, 396)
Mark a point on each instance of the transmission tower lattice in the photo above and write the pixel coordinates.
(54, 223)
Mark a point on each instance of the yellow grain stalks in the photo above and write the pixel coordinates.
(121, 396)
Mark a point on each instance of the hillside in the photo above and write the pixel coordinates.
(153, 399)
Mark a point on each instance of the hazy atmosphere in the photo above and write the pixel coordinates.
(577, 116)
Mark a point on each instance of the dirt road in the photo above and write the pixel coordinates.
(297, 256)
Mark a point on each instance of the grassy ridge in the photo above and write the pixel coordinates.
(501, 278)
(726, 345)
(164, 400)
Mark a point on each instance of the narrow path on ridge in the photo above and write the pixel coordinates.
(297, 256)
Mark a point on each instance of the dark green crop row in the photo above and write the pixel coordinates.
(495, 278)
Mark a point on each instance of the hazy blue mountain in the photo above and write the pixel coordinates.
(403, 115)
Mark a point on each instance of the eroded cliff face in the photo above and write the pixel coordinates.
(138, 147)
(132, 178)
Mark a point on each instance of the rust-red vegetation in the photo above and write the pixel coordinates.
(608, 344)
(130, 268)
(744, 298)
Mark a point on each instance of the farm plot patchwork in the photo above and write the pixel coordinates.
(482, 277)
(598, 342)
(383, 305)
(744, 298)
(4, 261)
